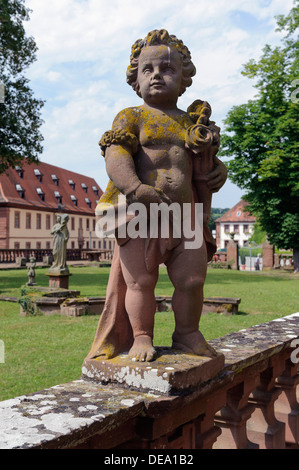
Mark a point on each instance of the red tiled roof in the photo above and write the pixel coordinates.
(30, 183)
(237, 214)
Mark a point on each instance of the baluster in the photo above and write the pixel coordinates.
(232, 418)
(206, 431)
(287, 405)
(263, 428)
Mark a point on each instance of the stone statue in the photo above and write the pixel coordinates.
(31, 272)
(157, 153)
(60, 238)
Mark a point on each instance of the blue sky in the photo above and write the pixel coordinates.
(84, 48)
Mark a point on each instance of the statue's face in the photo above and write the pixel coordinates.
(159, 75)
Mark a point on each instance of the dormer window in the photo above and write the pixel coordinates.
(55, 179)
(38, 174)
(88, 202)
(95, 190)
(41, 193)
(20, 171)
(74, 199)
(84, 187)
(72, 184)
(20, 190)
(58, 196)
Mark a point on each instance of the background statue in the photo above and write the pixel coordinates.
(31, 272)
(60, 238)
(157, 153)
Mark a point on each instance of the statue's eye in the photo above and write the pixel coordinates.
(147, 69)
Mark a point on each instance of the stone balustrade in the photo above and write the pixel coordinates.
(17, 255)
(252, 403)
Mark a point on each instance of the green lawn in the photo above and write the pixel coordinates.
(43, 351)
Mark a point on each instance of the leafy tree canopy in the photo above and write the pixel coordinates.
(261, 137)
(19, 111)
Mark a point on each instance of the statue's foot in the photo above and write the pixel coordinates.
(143, 349)
(193, 343)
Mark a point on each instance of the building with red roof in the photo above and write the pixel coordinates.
(32, 195)
(235, 221)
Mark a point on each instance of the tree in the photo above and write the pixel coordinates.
(261, 136)
(19, 111)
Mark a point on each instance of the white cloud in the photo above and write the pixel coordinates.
(84, 49)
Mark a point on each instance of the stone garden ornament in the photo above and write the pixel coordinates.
(157, 157)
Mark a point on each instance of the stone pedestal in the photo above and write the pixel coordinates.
(59, 281)
(268, 256)
(173, 372)
(233, 254)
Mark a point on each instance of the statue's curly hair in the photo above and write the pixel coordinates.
(158, 37)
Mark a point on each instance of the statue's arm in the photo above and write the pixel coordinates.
(119, 146)
(218, 176)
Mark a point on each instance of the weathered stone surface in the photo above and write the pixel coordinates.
(246, 347)
(57, 417)
(171, 373)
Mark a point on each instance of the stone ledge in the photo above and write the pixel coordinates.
(67, 414)
(173, 372)
(245, 347)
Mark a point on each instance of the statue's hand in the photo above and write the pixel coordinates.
(146, 194)
(217, 177)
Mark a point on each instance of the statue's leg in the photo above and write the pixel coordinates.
(140, 300)
(187, 271)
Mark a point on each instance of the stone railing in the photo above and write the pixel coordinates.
(251, 403)
(15, 255)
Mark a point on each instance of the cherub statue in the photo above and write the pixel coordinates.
(31, 272)
(158, 153)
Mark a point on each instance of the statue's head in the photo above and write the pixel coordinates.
(158, 38)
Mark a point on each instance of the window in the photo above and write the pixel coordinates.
(245, 228)
(93, 224)
(16, 245)
(72, 223)
(95, 190)
(100, 244)
(74, 199)
(80, 223)
(238, 213)
(84, 187)
(72, 184)
(41, 193)
(38, 221)
(20, 171)
(226, 227)
(38, 174)
(28, 245)
(73, 245)
(88, 202)
(58, 196)
(38, 245)
(236, 228)
(55, 179)
(28, 220)
(48, 245)
(20, 190)
(17, 219)
(87, 224)
(93, 244)
(48, 222)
